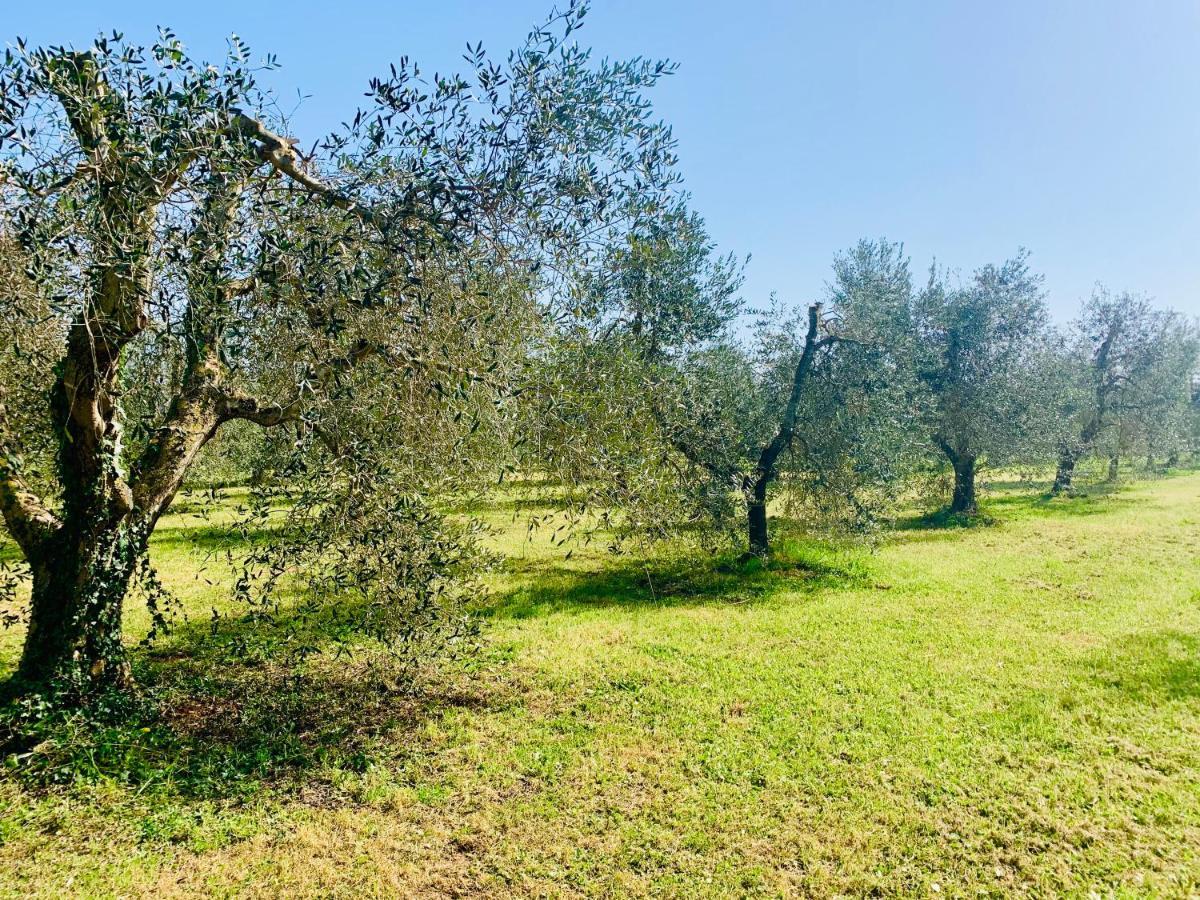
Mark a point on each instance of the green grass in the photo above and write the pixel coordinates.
(1006, 708)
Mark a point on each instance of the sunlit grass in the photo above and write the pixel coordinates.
(1007, 708)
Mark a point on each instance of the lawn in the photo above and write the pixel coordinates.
(1012, 707)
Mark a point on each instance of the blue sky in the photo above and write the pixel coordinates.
(965, 129)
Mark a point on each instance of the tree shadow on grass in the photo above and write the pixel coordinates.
(691, 580)
(208, 538)
(226, 709)
(228, 732)
(1150, 666)
(1010, 501)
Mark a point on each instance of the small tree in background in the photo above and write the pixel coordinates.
(1131, 368)
(981, 352)
(822, 403)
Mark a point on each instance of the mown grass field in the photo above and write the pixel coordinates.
(1010, 708)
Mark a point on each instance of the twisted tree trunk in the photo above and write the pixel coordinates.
(1065, 472)
(73, 644)
(83, 555)
(963, 502)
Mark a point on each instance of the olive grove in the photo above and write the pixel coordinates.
(475, 277)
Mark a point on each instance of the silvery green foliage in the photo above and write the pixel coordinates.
(364, 299)
(983, 350)
(1133, 367)
(590, 409)
(660, 285)
(852, 441)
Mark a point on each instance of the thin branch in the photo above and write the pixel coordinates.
(237, 405)
(280, 153)
(787, 425)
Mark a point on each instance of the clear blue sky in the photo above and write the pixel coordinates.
(963, 128)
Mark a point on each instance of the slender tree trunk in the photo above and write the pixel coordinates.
(1114, 467)
(754, 486)
(756, 519)
(963, 501)
(73, 645)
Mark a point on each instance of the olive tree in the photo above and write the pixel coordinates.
(982, 353)
(1132, 365)
(166, 224)
(821, 400)
(594, 387)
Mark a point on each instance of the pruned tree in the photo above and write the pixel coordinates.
(823, 401)
(1131, 364)
(982, 353)
(166, 224)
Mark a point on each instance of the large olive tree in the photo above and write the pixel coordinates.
(158, 221)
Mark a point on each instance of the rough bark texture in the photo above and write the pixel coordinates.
(1065, 473)
(963, 501)
(83, 556)
(73, 644)
(756, 520)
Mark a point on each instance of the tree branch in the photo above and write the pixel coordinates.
(280, 153)
(787, 426)
(233, 405)
(25, 515)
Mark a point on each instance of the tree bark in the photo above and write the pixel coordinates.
(73, 644)
(963, 462)
(756, 519)
(963, 501)
(755, 486)
(1114, 467)
(1065, 473)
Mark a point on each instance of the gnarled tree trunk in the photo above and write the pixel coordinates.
(756, 519)
(73, 645)
(963, 500)
(1065, 473)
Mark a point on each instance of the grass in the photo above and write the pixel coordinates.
(1011, 708)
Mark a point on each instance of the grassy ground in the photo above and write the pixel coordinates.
(1000, 709)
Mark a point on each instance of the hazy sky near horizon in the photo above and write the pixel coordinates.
(963, 128)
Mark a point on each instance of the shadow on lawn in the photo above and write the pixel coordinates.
(1150, 666)
(225, 710)
(682, 581)
(205, 731)
(1009, 501)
